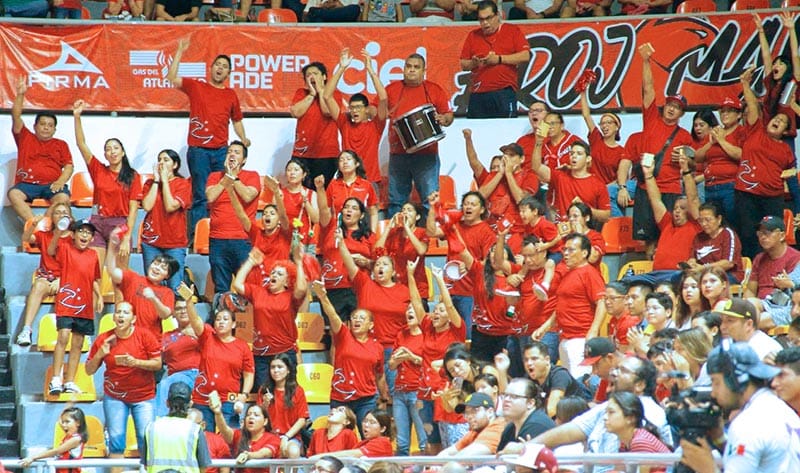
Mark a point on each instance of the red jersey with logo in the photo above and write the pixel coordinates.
(508, 39)
(501, 203)
(127, 383)
(48, 265)
(433, 349)
(75, 297)
(333, 272)
(556, 155)
(531, 312)
(293, 203)
(578, 293)
(179, 352)
(409, 374)
(724, 246)
(274, 320)
(655, 134)
(320, 443)
(478, 238)
(675, 243)
(281, 416)
(316, 135)
(590, 189)
(719, 167)
(387, 304)
(399, 248)
(763, 160)
(224, 224)
(39, 162)
(111, 197)
(221, 366)
(339, 191)
(164, 229)
(403, 99)
(765, 268)
(489, 313)
(364, 138)
(357, 366)
(605, 158)
(132, 288)
(210, 110)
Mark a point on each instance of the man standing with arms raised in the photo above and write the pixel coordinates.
(211, 106)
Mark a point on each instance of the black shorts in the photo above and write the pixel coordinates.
(644, 224)
(75, 324)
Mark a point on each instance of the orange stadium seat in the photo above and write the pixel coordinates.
(82, 189)
(740, 5)
(277, 15)
(310, 330)
(266, 196)
(788, 221)
(201, 232)
(618, 234)
(85, 14)
(697, 6)
(447, 192)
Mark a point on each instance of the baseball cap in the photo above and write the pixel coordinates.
(83, 223)
(678, 98)
(595, 349)
(179, 390)
(736, 307)
(771, 223)
(512, 148)
(537, 457)
(743, 358)
(475, 400)
(731, 102)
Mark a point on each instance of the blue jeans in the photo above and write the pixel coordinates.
(344, 14)
(421, 169)
(231, 417)
(360, 407)
(391, 375)
(162, 388)
(225, 257)
(116, 413)
(202, 162)
(722, 194)
(66, 13)
(426, 414)
(613, 191)
(31, 9)
(150, 252)
(464, 306)
(404, 411)
(551, 340)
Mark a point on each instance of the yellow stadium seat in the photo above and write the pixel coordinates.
(106, 287)
(604, 271)
(310, 330)
(169, 324)
(47, 334)
(84, 381)
(106, 323)
(320, 422)
(429, 276)
(316, 378)
(95, 446)
(779, 330)
(638, 267)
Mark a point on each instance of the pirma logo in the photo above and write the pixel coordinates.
(71, 70)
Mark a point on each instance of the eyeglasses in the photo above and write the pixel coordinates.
(514, 397)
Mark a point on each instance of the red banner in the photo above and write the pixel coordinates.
(121, 67)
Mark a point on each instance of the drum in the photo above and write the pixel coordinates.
(418, 128)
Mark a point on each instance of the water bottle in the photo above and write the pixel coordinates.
(629, 272)
(63, 223)
(511, 311)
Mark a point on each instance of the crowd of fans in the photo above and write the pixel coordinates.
(525, 341)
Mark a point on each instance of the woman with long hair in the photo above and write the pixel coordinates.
(710, 323)
(378, 432)
(689, 302)
(714, 287)
(404, 240)
(167, 197)
(300, 202)
(351, 182)
(625, 419)
(117, 190)
(581, 221)
(253, 441)
(695, 346)
(338, 434)
(286, 404)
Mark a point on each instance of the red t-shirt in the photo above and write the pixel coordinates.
(403, 99)
(605, 159)
(377, 447)
(675, 243)
(210, 109)
(598, 244)
(433, 349)
(725, 246)
(357, 366)
(400, 249)
(387, 304)
(221, 366)
(344, 440)
(528, 142)
(531, 312)
(333, 272)
(590, 189)
(275, 246)
(489, 312)
(478, 239)
(274, 320)
(281, 416)
(765, 268)
(508, 39)
(501, 203)
(40, 162)
(577, 295)
(164, 229)
(267, 440)
(364, 138)
(127, 383)
(618, 327)
(75, 453)
(654, 135)
(293, 203)
(719, 167)
(179, 352)
(546, 231)
(556, 155)
(147, 317)
(224, 224)
(75, 297)
(111, 197)
(48, 265)
(763, 160)
(217, 447)
(316, 135)
(409, 375)
(338, 191)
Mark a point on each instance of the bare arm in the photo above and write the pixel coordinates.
(16, 109)
(444, 295)
(238, 128)
(542, 171)
(347, 258)
(648, 87)
(383, 97)
(472, 155)
(690, 187)
(751, 115)
(416, 299)
(80, 137)
(766, 54)
(430, 223)
(564, 434)
(172, 73)
(253, 259)
(325, 214)
(330, 87)
(599, 315)
(586, 112)
(333, 318)
(654, 194)
(194, 318)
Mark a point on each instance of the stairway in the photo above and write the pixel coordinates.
(9, 437)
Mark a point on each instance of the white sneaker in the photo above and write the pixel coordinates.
(72, 388)
(24, 337)
(55, 387)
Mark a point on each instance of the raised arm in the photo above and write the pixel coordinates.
(345, 58)
(416, 298)
(347, 258)
(80, 137)
(499, 255)
(325, 214)
(787, 18)
(542, 171)
(333, 318)
(172, 73)
(19, 103)
(254, 258)
(751, 115)
(195, 321)
(648, 87)
(766, 54)
(586, 112)
(383, 97)
(444, 296)
(653, 194)
(430, 223)
(472, 155)
(690, 187)
(280, 207)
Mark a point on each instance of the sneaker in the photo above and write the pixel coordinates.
(55, 387)
(24, 337)
(72, 388)
(540, 291)
(507, 291)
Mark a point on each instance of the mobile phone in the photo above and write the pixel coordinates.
(213, 398)
(688, 151)
(543, 129)
(458, 382)
(185, 291)
(648, 159)
(563, 227)
(120, 358)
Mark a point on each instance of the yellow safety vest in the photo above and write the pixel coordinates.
(172, 445)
